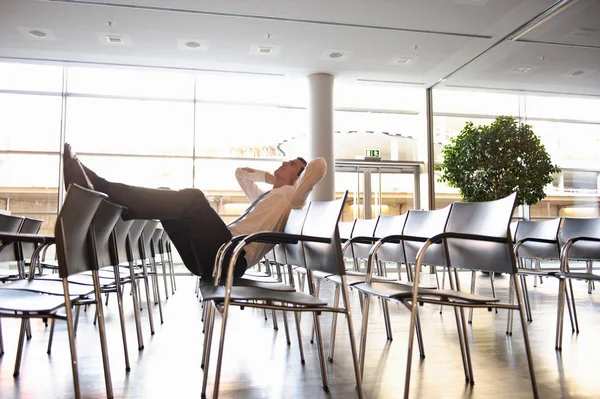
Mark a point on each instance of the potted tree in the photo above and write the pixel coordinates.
(492, 161)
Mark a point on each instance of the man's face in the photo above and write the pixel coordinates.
(289, 170)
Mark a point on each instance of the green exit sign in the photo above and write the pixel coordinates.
(373, 154)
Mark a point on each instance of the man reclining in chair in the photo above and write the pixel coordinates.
(194, 227)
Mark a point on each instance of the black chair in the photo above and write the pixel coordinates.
(9, 224)
(476, 237)
(360, 244)
(579, 239)
(166, 250)
(317, 248)
(147, 261)
(156, 253)
(535, 241)
(75, 242)
(135, 256)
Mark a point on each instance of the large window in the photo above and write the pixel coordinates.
(568, 127)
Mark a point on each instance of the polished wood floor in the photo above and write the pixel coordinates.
(259, 364)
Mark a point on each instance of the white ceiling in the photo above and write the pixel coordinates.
(458, 39)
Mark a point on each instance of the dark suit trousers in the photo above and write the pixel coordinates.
(194, 227)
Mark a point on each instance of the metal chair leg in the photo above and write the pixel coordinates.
(492, 275)
(573, 305)
(220, 352)
(102, 332)
(317, 291)
(526, 338)
(136, 306)
(317, 329)
(71, 330)
(22, 334)
(286, 327)
(568, 301)
(466, 343)
(560, 313)
(336, 302)
(50, 336)
(122, 318)
(363, 334)
(526, 302)
(164, 273)
(157, 291)
(148, 299)
(511, 296)
(357, 371)
(473, 279)
(300, 347)
(386, 319)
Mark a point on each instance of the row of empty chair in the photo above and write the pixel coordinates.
(97, 252)
(471, 236)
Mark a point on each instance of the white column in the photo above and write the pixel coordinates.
(320, 122)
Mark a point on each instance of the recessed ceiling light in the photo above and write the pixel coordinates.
(193, 45)
(335, 55)
(113, 39)
(38, 34)
(265, 50)
(402, 60)
(522, 69)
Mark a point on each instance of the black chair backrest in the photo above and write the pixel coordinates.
(426, 224)
(294, 253)
(29, 226)
(103, 226)
(584, 227)
(147, 234)
(156, 242)
(363, 228)
(133, 244)
(345, 229)
(165, 246)
(322, 221)
(120, 242)
(491, 219)
(9, 224)
(547, 230)
(73, 230)
(387, 226)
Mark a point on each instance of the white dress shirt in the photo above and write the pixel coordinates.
(272, 211)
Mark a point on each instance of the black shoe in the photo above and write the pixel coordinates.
(73, 172)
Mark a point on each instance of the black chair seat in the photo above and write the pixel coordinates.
(26, 301)
(51, 287)
(356, 278)
(212, 293)
(316, 273)
(537, 272)
(50, 264)
(401, 291)
(244, 282)
(578, 276)
(82, 279)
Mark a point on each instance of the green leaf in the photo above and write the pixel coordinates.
(492, 161)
